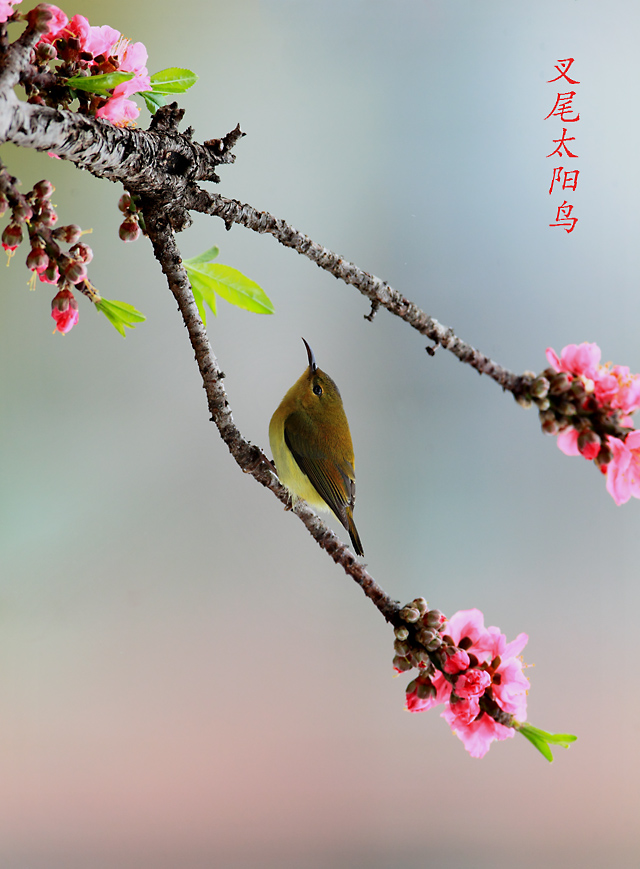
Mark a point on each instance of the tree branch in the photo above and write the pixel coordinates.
(248, 456)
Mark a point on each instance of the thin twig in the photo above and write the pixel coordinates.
(376, 290)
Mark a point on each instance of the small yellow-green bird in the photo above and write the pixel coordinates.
(311, 444)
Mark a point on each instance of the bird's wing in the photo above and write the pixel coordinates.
(333, 480)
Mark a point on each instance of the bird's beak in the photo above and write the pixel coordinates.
(312, 358)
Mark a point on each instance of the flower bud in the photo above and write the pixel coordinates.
(425, 689)
(129, 229)
(22, 212)
(547, 416)
(401, 633)
(420, 604)
(550, 426)
(69, 234)
(45, 52)
(50, 275)
(435, 643)
(577, 388)
(412, 686)
(37, 260)
(603, 458)
(540, 387)
(81, 252)
(422, 660)
(401, 648)
(125, 202)
(4, 204)
(566, 408)
(560, 383)
(543, 403)
(434, 619)
(39, 18)
(402, 664)
(43, 189)
(64, 310)
(409, 614)
(425, 636)
(12, 236)
(523, 401)
(589, 444)
(74, 271)
(48, 214)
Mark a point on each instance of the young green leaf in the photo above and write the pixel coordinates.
(234, 287)
(202, 292)
(99, 84)
(209, 278)
(541, 739)
(120, 314)
(173, 81)
(152, 101)
(205, 257)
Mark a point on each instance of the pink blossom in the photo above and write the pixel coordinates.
(457, 662)
(623, 471)
(510, 687)
(618, 388)
(469, 625)
(6, 9)
(64, 310)
(128, 57)
(80, 29)
(568, 442)
(479, 734)
(133, 59)
(579, 359)
(119, 111)
(462, 711)
(102, 40)
(418, 703)
(473, 683)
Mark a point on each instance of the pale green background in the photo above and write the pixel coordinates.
(185, 679)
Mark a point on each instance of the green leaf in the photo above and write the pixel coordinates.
(542, 739)
(202, 292)
(120, 314)
(205, 257)
(99, 84)
(152, 101)
(173, 80)
(231, 285)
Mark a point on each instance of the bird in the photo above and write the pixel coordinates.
(312, 448)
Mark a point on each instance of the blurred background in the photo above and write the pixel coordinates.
(185, 678)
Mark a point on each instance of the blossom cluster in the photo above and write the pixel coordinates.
(86, 50)
(34, 214)
(468, 668)
(588, 406)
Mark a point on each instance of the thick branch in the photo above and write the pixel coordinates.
(248, 456)
(164, 159)
(378, 291)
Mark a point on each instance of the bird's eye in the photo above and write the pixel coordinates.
(317, 389)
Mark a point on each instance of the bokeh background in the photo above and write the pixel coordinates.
(185, 679)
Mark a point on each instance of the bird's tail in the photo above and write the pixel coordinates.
(353, 533)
